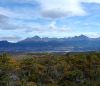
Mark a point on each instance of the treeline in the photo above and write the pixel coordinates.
(71, 69)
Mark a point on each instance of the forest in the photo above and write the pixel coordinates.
(49, 69)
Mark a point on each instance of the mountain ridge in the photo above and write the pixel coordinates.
(37, 38)
(38, 44)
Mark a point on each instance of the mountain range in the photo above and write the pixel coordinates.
(80, 43)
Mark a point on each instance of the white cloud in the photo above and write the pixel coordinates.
(59, 8)
(62, 8)
(6, 12)
(19, 13)
(91, 1)
(46, 8)
(52, 27)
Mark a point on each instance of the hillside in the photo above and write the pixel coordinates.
(43, 69)
(37, 44)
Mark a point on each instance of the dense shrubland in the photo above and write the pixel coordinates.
(71, 69)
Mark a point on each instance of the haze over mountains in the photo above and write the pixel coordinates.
(37, 44)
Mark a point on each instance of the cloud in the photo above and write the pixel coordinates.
(45, 8)
(7, 24)
(3, 18)
(89, 34)
(52, 27)
(91, 1)
(18, 1)
(58, 8)
(19, 13)
(4, 23)
(10, 38)
(92, 34)
(15, 16)
(6, 12)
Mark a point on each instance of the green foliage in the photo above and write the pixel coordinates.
(72, 69)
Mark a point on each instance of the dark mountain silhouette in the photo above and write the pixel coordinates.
(37, 44)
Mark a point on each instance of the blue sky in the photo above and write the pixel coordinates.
(20, 19)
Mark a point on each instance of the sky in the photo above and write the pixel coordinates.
(20, 19)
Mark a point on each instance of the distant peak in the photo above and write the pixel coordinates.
(4, 41)
(36, 37)
(81, 36)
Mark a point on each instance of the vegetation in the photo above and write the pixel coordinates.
(71, 69)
